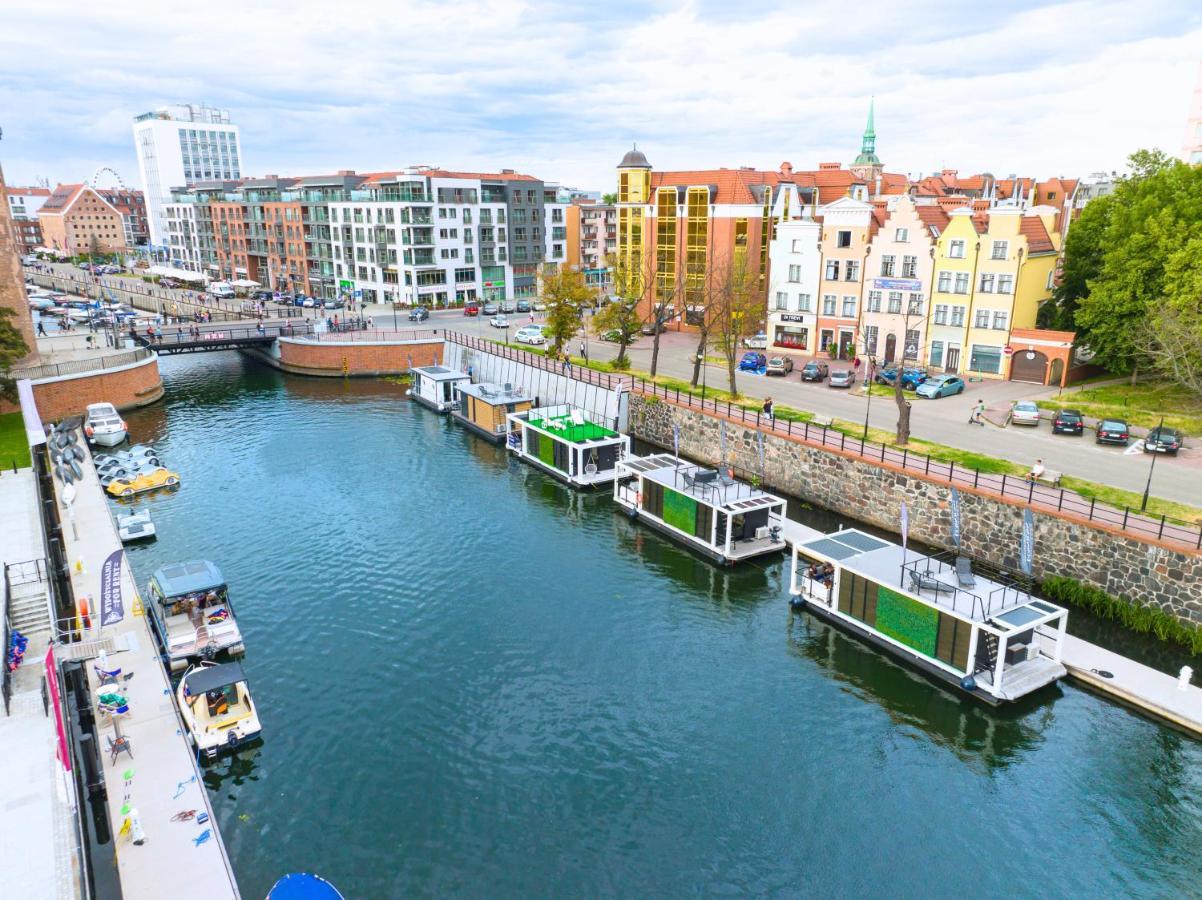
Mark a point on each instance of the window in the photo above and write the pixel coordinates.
(796, 246)
(961, 282)
(913, 339)
(782, 300)
(870, 338)
(999, 249)
(987, 283)
(958, 316)
(940, 313)
(982, 319)
(895, 299)
(849, 307)
(1005, 284)
(888, 264)
(853, 271)
(803, 302)
(909, 266)
(901, 235)
(832, 270)
(828, 304)
(986, 359)
(999, 321)
(795, 274)
(1051, 279)
(936, 353)
(955, 250)
(945, 283)
(843, 239)
(914, 306)
(874, 301)
(1051, 195)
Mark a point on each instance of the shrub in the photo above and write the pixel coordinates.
(1144, 619)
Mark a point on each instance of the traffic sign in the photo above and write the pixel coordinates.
(1008, 350)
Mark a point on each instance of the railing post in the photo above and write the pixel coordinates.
(1126, 513)
(951, 472)
(976, 477)
(1030, 490)
(905, 456)
(927, 471)
(1092, 501)
(842, 440)
(1003, 484)
(1160, 533)
(1060, 503)
(807, 431)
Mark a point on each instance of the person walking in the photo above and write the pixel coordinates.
(768, 412)
(41, 328)
(978, 414)
(583, 350)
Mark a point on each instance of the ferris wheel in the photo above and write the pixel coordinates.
(113, 172)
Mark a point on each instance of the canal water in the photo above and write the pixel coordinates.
(474, 682)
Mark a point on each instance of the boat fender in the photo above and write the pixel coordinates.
(633, 513)
(76, 470)
(71, 436)
(55, 456)
(968, 683)
(60, 440)
(797, 602)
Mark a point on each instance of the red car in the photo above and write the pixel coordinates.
(471, 310)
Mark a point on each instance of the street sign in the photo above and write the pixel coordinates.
(1008, 350)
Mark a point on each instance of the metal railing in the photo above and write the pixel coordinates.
(1180, 532)
(81, 366)
(340, 336)
(201, 336)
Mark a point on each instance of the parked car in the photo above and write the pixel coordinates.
(814, 371)
(653, 327)
(911, 378)
(336, 303)
(1112, 431)
(613, 335)
(262, 295)
(752, 362)
(508, 306)
(1025, 412)
(523, 306)
(499, 322)
(842, 378)
(756, 342)
(779, 365)
(538, 306)
(471, 310)
(1068, 421)
(529, 334)
(941, 386)
(1164, 440)
(491, 309)
(419, 314)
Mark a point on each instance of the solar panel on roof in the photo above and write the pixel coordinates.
(860, 541)
(831, 548)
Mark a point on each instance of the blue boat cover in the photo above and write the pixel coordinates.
(303, 886)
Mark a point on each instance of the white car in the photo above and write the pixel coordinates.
(1025, 412)
(538, 306)
(499, 322)
(103, 426)
(530, 334)
(757, 342)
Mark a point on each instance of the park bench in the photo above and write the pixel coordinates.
(823, 421)
(1050, 477)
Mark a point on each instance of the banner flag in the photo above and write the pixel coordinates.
(955, 517)
(1026, 558)
(905, 524)
(112, 609)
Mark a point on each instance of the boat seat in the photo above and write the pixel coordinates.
(964, 572)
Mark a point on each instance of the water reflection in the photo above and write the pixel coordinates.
(233, 769)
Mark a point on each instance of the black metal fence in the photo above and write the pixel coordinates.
(1062, 500)
(81, 366)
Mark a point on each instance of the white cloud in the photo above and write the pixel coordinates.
(1029, 87)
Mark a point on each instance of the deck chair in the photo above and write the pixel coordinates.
(964, 572)
(921, 582)
(577, 417)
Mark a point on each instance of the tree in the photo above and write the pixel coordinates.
(735, 313)
(94, 249)
(623, 320)
(566, 294)
(12, 349)
(1173, 333)
(609, 199)
(1082, 262)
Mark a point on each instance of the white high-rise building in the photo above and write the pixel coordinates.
(179, 145)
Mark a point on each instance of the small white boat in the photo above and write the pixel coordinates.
(135, 526)
(215, 704)
(104, 426)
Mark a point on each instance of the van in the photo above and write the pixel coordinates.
(221, 290)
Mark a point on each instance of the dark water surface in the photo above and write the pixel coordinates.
(474, 682)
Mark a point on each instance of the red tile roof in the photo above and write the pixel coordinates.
(483, 176)
(29, 191)
(935, 218)
(61, 198)
(1038, 240)
(733, 185)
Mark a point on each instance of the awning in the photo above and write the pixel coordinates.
(210, 678)
(179, 274)
(245, 282)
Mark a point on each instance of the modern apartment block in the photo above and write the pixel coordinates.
(23, 204)
(592, 240)
(1191, 146)
(795, 266)
(77, 217)
(181, 145)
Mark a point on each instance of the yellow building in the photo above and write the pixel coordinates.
(954, 273)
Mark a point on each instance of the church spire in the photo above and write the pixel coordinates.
(869, 143)
(868, 165)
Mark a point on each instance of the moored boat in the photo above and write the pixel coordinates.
(434, 386)
(483, 408)
(135, 526)
(103, 426)
(191, 613)
(562, 440)
(216, 706)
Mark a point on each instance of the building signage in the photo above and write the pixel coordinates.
(494, 284)
(897, 284)
(791, 317)
(112, 610)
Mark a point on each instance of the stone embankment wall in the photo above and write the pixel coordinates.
(1143, 572)
(354, 358)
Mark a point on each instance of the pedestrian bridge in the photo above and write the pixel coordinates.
(198, 339)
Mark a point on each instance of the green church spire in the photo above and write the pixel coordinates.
(868, 155)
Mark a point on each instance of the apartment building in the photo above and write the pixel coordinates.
(1191, 146)
(76, 217)
(848, 226)
(592, 239)
(23, 205)
(795, 267)
(955, 268)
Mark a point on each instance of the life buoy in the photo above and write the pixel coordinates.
(84, 612)
(638, 499)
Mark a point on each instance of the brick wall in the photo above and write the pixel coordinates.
(12, 279)
(69, 395)
(357, 358)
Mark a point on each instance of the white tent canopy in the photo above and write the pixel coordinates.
(245, 282)
(180, 274)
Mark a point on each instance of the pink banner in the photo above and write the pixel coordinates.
(52, 688)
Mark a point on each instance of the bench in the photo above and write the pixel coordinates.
(1050, 477)
(822, 421)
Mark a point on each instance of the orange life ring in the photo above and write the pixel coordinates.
(638, 499)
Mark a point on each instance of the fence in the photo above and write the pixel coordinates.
(341, 335)
(80, 366)
(1061, 500)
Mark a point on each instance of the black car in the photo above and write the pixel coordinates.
(1113, 431)
(1163, 440)
(336, 303)
(419, 314)
(815, 371)
(262, 295)
(523, 306)
(1068, 421)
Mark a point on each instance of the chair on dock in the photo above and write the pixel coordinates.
(923, 582)
(964, 572)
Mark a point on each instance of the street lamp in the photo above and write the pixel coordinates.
(1143, 506)
(700, 357)
(868, 387)
(394, 315)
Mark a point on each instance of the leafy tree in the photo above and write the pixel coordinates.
(566, 294)
(609, 199)
(1173, 333)
(12, 350)
(735, 312)
(1146, 163)
(1083, 251)
(623, 319)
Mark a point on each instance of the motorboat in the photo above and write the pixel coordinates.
(191, 613)
(216, 706)
(135, 526)
(104, 426)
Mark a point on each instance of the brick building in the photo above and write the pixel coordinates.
(76, 217)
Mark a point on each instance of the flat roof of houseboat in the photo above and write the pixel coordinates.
(562, 426)
(187, 577)
(439, 373)
(494, 394)
(888, 564)
(701, 483)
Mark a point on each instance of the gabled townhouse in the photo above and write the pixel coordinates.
(76, 217)
(955, 269)
(848, 226)
(795, 268)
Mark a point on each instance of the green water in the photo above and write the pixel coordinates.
(474, 682)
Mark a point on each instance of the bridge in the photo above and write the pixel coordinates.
(172, 339)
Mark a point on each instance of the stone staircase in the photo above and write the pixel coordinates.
(29, 611)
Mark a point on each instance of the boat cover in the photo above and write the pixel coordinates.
(210, 678)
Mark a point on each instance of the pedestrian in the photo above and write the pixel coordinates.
(583, 350)
(369, 323)
(768, 411)
(41, 328)
(978, 414)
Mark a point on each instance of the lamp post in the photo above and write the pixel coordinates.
(701, 359)
(868, 387)
(1152, 468)
(394, 326)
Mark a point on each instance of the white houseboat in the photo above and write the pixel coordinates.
(191, 613)
(725, 519)
(563, 441)
(483, 408)
(434, 386)
(988, 638)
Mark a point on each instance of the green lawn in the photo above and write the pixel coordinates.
(1141, 404)
(13, 445)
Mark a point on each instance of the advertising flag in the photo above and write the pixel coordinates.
(955, 510)
(905, 524)
(1026, 556)
(112, 610)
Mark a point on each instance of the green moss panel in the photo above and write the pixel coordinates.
(912, 623)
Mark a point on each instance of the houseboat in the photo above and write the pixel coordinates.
(483, 408)
(434, 386)
(985, 637)
(215, 704)
(191, 613)
(563, 441)
(711, 511)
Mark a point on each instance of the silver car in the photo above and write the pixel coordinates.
(1025, 412)
(779, 365)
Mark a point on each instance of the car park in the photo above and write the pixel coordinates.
(752, 362)
(523, 306)
(814, 370)
(529, 334)
(471, 310)
(941, 386)
(841, 378)
(1068, 421)
(1025, 412)
(491, 309)
(419, 314)
(499, 322)
(1112, 431)
(1164, 440)
(779, 365)
(756, 342)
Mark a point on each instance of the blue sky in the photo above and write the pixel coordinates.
(561, 90)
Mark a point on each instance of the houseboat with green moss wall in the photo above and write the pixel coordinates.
(563, 441)
(709, 510)
(984, 636)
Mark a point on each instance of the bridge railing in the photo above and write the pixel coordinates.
(196, 336)
(80, 366)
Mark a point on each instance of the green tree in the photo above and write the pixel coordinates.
(620, 320)
(566, 294)
(736, 310)
(12, 349)
(609, 199)
(1083, 250)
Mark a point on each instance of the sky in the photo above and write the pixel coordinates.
(561, 91)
